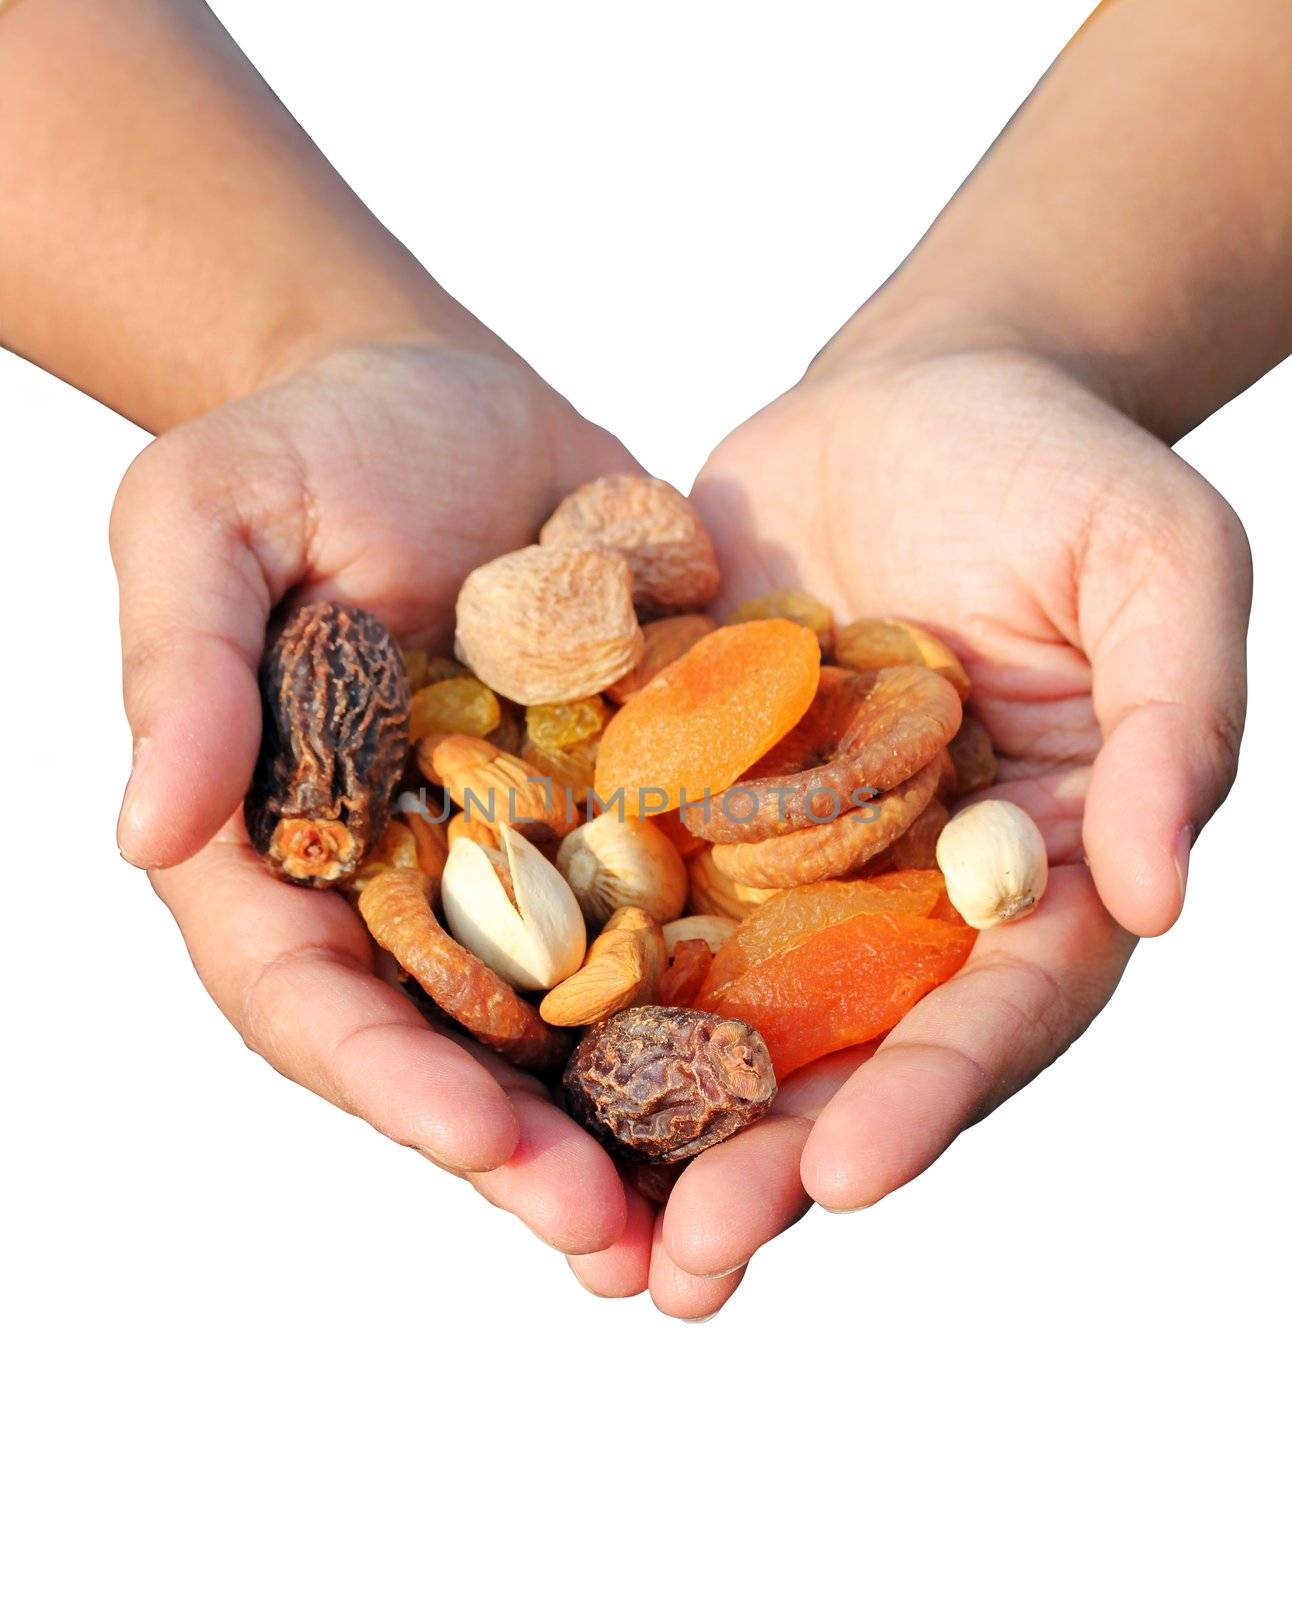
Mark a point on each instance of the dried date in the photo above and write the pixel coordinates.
(334, 702)
(660, 1083)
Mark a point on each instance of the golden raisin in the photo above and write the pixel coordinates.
(454, 705)
(795, 605)
(561, 727)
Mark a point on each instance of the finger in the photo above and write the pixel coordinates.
(681, 1294)
(623, 1269)
(195, 597)
(292, 970)
(558, 1181)
(1165, 620)
(1028, 990)
(735, 1197)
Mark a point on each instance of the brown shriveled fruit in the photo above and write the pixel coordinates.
(875, 642)
(713, 893)
(688, 967)
(863, 734)
(334, 700)
(653, 526)
(497, 788)
(665, 641)
(398, 914)
(830, 849)
(974, 757)
(624, 966)
(544, 626)
(795, 605)
(660, 1083)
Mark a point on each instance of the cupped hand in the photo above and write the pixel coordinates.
(1097, 590)
(382, 475)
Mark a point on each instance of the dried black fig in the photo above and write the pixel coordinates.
(334, 741)
(659, 1083)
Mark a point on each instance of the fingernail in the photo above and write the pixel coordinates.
(712, 1277)
(847, 1211)
(128, 821)
(1183, 845)
(694, 1322)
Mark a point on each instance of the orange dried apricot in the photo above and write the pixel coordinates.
(704, 720)
(560, 727)
(454, 705)
(791, 917)
(843, 985)
(685, 974)
(795, 605)
(678, 834)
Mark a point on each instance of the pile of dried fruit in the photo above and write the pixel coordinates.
(720, 857)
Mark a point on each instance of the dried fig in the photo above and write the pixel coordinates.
(334, 741)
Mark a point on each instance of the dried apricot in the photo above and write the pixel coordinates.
(863, 734)
(454, 705)
(845, 984)
(876, 642)
(560, 727)
(665, 640)
(677, 833)
(703, 721)
(795, 605)
(791, 917)
(830, 849)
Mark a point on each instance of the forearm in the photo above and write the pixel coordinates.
(1135, 219)
(169, 237)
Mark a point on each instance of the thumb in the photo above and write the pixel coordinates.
(194, 603)
(1164, 613)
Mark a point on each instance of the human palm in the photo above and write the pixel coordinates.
(1097, 591)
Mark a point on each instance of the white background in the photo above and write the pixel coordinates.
(254, 1349)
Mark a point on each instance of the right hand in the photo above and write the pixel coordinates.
(383, 475)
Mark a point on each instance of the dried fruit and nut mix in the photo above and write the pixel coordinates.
(664, 860)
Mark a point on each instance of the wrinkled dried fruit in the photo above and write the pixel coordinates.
(659, 1083)
(975, 759)
(497, 788)
(556, 728)
(877, 642)
(791, 917)
(712, 893)
(399, 917)
(845, 984)
(615, 861)
(397, 847)
(795, 605)
(706, 719)
(572, 770)
(830, 849)
(543, 626)
(334, 697)
(454, 705)
(656, 528)
(687, 969)
(863, 734)
(624, 967)
(914, 850)
(665, 641)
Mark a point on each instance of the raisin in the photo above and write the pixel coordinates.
(454, 705)
(659, 1083)
(876, 642)
(334, 697)
(795, 605)
(561, 727)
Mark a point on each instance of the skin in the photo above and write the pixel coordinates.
(983, 446)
